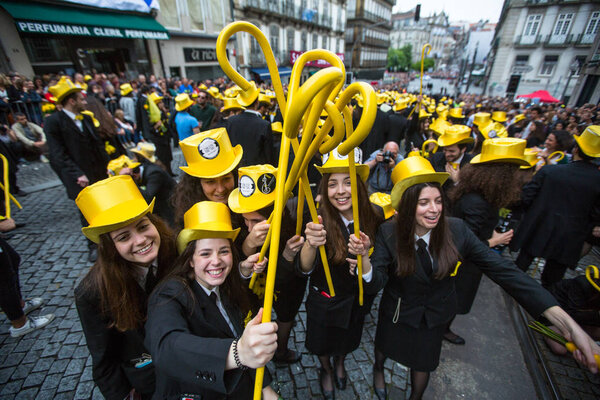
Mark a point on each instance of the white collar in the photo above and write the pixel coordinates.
(425, 238)
(345, 221)
(258, 114)
(208, 292)
(70, 114)
(459, 159)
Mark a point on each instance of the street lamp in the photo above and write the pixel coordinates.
(572, 68)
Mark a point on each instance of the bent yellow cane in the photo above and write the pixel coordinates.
(426, 144)
(6, 187)
(424, 51)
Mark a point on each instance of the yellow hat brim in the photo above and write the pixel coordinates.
(585, 148)
(498, 159)
(361, 169)
(74, 89)
(181, 107)
(126, 92)
(246, 98)
(236, 207)
(400, 187)
(499, 119)
(444, 142)
(237, 150)
(152, 159)
(93, 232)
(189, 235)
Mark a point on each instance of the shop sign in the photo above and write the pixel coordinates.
(85, 30)
(200, 54)
(294, 55)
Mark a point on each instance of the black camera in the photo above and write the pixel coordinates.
(387, 157)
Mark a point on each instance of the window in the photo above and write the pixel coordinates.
(196, 15)
(548, 65)
(592, 27)
(274, 38)
(169, 16)
(290, 39)
(303, 40)
(315, 41)
(563, 23)
(532, 25)
(217, 13)
(521, 60)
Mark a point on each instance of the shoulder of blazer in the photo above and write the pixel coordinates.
(173, 289)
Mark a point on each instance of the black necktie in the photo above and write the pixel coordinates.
(351, 228)
(150, 279)
(424, 258)
(213, 298)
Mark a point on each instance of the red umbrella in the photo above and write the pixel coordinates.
(543, 95)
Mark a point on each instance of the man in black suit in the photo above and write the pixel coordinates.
(398, 122)
(76, 152)
(563, 206)
(251, 131)
(453, 155)
(379, 131)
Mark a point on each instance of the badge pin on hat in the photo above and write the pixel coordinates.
(209, 154)
(256, 189)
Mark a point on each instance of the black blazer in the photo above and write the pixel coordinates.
(112, 351)
(189, 341)
(438, 162)
(156, 182)
(563, 205)
(434, 301)
(73, 152)
(379, 131)
(398, 124)
(255, 136)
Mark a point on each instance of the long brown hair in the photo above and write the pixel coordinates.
(441, 245)
(497, 183)
(232, 288)
(337, 247)
(114, 279)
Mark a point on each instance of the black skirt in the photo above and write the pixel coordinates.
(417, 348)
(289, 294)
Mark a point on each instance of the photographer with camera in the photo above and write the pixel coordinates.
(381, 163)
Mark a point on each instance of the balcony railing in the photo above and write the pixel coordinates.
(528, 41)
(584, 40)
(558, 40)
(289, 10)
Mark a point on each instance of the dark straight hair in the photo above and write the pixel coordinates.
(441, 246)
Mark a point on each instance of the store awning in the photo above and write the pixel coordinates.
(47, 19)
(264, 72)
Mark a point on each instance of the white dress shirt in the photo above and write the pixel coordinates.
(220, 306)
(72, 116)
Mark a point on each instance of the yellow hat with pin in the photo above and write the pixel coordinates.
(206, 220)
(493, 130)
(334, 162)
(111, 204)
(507, 150)
(412, 171)
(63, 88)
(256, 189)
(146, 150)
(209, 154)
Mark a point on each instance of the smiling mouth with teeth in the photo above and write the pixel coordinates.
(144, 249)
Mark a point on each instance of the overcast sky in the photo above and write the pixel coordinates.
(457, 10)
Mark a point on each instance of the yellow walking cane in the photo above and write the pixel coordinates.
(6, 187)
(424, 51)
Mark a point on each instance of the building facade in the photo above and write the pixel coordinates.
(587, 89)
(292, 27)
(541, 45)
(368, 37)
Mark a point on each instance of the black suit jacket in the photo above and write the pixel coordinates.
(73, 152)
(189, 341)
(434, 301)
(255, 136)
(438, 162)
(141, 116)
(379, 131)
(112, 351)
(563, 205)
(398, 124)
(156, 182)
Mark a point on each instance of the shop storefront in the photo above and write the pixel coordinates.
(60, 37)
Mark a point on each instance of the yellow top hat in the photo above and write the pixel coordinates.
(183, 101)
(384, 201)
(231, 103)
(478, 105)
(263, 98)
(455, 134)
(111, 204)
(589, 141)
(209, 154)
(87, 78)
(499, 116)
(481, 119)
(256, 189)
(116, 165)
(333, 163)
(423, 114)
(439, 126)
(206, 220)
(270, 94)
(531, 157)
(494, 130)
(441, 109)
(155, 97)
(431, 108)
(519, 117)
(507, 150)
(145, 150)
(247, 97)
(412, 171)
(381, 97)
(456, 113)
(414, 153)
(277, 127)
(214, 92)
(400, 105)
(91, 115)
(63, 88)
(126, 89)
(202, 87)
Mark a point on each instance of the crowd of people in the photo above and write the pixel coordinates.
(172, 304)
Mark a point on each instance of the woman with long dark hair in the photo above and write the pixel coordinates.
(490, 182)
(195, 325)
(416, 257)
(135, 250)
(211, 171)
(334, 324)
(254, 202)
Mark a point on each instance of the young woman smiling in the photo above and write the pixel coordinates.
(211, 172)
(135, 250)
(415, 259)
(334, 324)
(195, 319)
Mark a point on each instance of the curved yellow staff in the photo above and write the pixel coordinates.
(591, 273)
(424, 51)
(6, 187)
(426, 143)
(557, 156)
